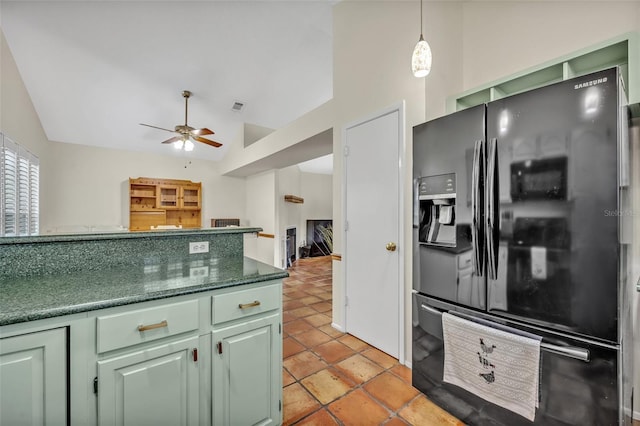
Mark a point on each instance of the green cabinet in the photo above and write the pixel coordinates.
(247, 372)
(212, 358)
(33, 378)
(156, 386)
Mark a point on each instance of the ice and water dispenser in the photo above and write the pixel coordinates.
(437, 198)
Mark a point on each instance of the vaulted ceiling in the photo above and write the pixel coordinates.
(96, 69)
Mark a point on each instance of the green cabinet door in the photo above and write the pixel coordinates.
(157, 386)
(247, 373)
(33, 378)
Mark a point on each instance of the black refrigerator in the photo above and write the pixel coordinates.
(520, 218)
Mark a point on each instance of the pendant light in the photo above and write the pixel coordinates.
(421, 59)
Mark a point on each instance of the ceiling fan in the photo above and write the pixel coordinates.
(186, 132)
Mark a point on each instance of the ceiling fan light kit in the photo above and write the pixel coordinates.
(185, 144)
(185, 132)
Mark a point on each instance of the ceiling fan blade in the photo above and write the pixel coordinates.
(155, 127)
(173, 139)
(207, 141)
(201, 132)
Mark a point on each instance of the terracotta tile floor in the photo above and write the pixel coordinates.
(331, 378)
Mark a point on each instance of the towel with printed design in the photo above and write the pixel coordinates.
(498, 366)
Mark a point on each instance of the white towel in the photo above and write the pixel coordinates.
(500, 367)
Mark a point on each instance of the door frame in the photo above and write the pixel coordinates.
(402, 145)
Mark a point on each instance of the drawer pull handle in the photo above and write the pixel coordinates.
(249, 305)
(142, 328)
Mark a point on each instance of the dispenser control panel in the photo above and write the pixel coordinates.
(439, 186)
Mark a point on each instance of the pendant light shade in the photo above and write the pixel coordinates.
(421, 58)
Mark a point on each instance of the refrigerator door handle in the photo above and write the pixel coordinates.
(430, 309)
(476, 214)
(568, 351)
(491, 209)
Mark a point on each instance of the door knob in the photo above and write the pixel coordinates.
(391, 246)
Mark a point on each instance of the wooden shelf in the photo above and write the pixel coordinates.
(293, 199)
(144, 208)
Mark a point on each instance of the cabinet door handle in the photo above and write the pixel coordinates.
(249, 305)
(161, 324)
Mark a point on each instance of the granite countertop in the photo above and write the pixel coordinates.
(46, 296)
(125, 234)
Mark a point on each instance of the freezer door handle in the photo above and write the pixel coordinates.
(430, 309)
(476, 212)
(568, 351)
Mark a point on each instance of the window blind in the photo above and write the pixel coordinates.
(19, 190)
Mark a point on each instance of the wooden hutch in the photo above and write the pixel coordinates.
(157, 202)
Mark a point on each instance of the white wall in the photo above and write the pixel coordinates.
(261, 212)
(18, 118)
(501, 38)
(91, 186)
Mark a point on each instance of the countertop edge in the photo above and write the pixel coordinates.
(54, 238)
(104, 304)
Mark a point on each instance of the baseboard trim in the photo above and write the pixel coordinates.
(338, 327)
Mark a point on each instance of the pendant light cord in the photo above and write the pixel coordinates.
(420, 18)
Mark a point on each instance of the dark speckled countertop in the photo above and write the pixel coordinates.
(35, 297)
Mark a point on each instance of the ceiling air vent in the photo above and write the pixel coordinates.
(237, 106)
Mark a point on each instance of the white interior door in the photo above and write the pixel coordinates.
(372, 213)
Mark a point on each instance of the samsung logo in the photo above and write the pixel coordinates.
(590, 83)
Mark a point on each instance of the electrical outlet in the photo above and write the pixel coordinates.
(199, 272)
(199, 247)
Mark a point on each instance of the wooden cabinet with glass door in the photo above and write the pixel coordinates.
(190, 197)
(168, 196)
(160, 202)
